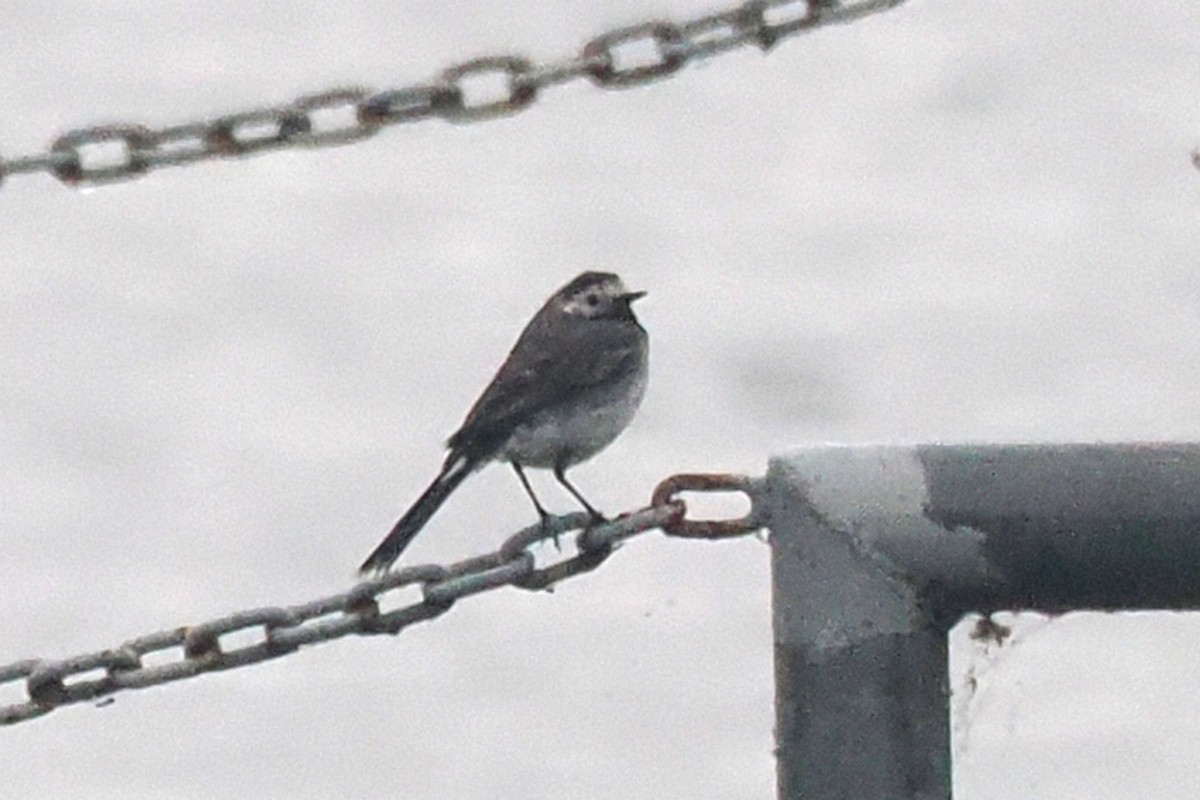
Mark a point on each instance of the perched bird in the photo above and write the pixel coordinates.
(570, 385)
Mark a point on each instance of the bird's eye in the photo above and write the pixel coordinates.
(593, 300)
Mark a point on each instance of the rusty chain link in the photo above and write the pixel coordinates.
(346, 115)
(285, 629)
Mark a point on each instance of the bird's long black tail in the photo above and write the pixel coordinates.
(408, 526)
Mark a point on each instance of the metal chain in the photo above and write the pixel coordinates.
(344, 115)
(285, 629)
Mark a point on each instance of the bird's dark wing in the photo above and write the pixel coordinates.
(545, 370)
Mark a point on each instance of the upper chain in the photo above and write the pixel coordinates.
(344, 115)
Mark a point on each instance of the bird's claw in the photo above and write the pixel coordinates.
(545, 523)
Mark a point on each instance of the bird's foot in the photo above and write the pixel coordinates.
(545, 523)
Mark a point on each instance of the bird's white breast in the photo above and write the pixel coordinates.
(570, 434)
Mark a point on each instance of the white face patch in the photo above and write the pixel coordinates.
(578, 303)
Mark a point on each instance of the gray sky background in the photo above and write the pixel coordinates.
(220, 384)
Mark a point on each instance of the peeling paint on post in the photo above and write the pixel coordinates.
(878, 551)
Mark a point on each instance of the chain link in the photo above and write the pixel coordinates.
(285, 629)
(82, 157)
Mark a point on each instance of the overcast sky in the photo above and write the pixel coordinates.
(220, 384)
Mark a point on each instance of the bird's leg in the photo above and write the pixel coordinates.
(542, 512)
(561, 477)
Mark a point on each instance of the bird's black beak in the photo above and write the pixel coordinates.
(629, 297)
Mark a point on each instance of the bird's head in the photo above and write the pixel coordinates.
(596, 295)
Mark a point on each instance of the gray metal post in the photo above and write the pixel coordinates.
(878, 551)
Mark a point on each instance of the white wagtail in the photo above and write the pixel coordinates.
(569, 387)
